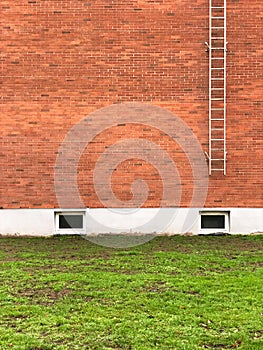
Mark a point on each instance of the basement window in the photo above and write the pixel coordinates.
(214, 221)
(70, 222)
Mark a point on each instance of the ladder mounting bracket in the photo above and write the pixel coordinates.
(207, 47)
(207, 155)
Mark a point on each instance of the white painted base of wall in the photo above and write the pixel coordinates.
(42, 222)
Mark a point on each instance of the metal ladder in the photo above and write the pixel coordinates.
(217, 86)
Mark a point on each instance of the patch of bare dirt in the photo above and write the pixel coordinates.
(44, 296)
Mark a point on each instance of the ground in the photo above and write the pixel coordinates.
(170, 293)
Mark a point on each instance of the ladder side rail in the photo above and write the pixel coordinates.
(225, 51)
(210, 89)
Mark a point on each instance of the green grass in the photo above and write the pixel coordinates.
(170, 293)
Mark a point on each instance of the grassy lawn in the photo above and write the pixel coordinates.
(170, 293)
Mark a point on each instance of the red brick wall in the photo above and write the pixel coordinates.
(61, 60)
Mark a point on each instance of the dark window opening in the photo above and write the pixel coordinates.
(70, 221)
(213, 221)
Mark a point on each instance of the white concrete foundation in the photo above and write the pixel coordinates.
(43, 222)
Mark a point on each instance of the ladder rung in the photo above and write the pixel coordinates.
(212, 119)
(217, 169)
(217, 159)
(217, 88)
(217, 109)
(217, 99)
(217, 48)
(217, 78)
(217, 7)
(217, 68)
(217, 38)
(217, 139)
(217, 27)
(217, 149)
(217, 129)
(217, 58)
